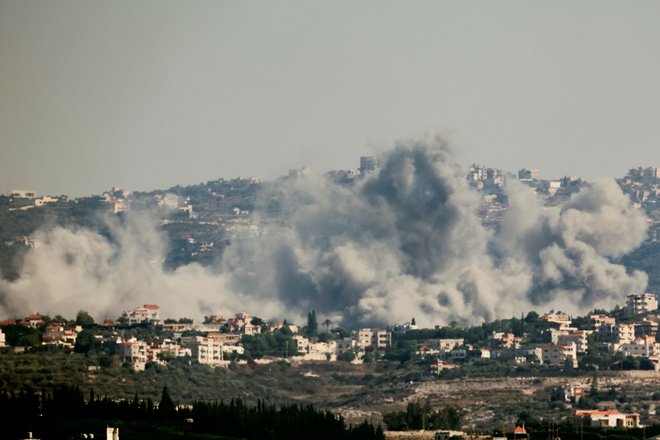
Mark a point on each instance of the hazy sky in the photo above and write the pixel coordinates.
(148, 94)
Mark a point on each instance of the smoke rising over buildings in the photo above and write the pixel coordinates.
(403, 241)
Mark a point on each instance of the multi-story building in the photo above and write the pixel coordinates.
(641, 347)
(149, 313)
(315, 351)
(636, 304)
(134, 352)
(603, 325)
(646, 327)
(373, 337)
(242, 323)
(579, 338)
(206, 351)
(624, 333)
(558, 355)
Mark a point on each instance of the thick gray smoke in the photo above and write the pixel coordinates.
(402, 243)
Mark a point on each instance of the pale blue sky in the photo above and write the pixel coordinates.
(149, 94)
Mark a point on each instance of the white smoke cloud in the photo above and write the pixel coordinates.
(403, 243)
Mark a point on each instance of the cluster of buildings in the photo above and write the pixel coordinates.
(643, 185)
(218, 340)
(215, 342)
(565, 343)
(26, 199)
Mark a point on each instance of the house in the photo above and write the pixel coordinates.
(447, 345)
(315, 351)
(242, 323)
(56, 334)
(519, 433)
(280, 325)
(559, 319)
(162, 346)
(574, 392)
(33, 321)
(506, 340)
(446, 435)
(424, 351)
(149, 313)
(611, 418)
(439, 365)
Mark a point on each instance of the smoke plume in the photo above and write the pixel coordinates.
(404, 242)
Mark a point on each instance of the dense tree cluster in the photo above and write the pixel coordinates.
(269, 422)
(48, 415)
(417, 416)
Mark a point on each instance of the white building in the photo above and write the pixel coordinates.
(149, 313)
(579, 338)
(315, 351)
(134, 352)
(641, 347)
(377, 338)
(611, 418)
(625, 333)
(646, 302)
(447, 345)
(208, 352)
(558, 355)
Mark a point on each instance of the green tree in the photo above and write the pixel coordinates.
(348, 356)
(84, 319)
(166, 407)
(312, 323)
(84, 342)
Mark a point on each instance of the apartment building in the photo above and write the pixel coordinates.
(558, 355)
(373, 337)
(636, 304)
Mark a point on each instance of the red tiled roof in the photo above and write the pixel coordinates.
(605, 412)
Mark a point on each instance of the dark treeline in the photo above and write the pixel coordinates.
(29, 411)
(417, 416)
(270, 422)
